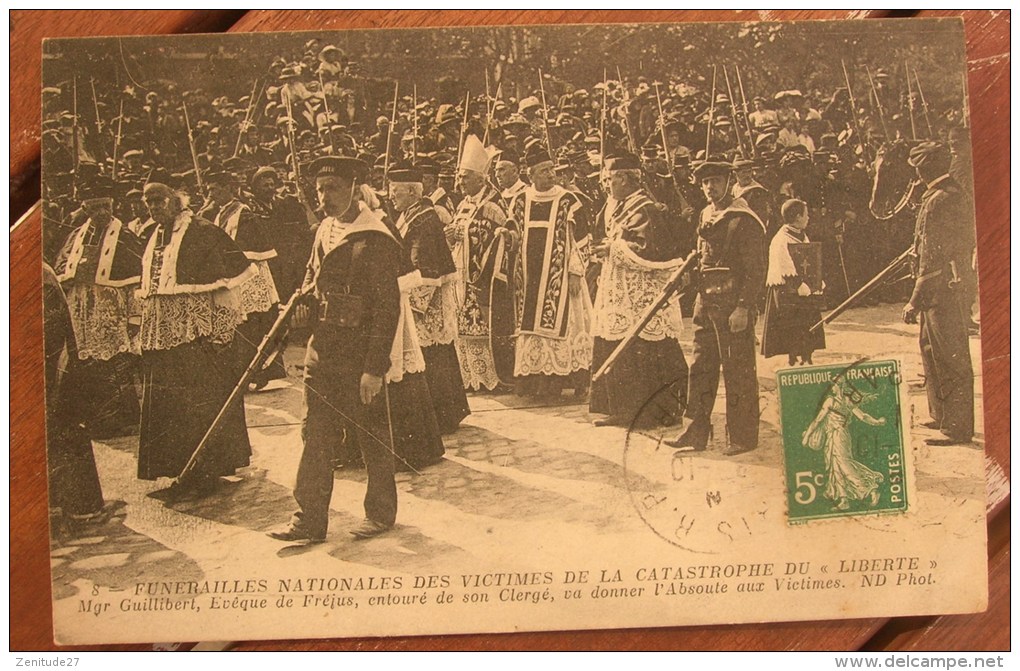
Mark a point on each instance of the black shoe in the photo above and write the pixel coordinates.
(685, 442)
(184, 490)
(930, 424)
(291, 533)
(946, 442)
(694, 439)
(734, 449)
(370, 529)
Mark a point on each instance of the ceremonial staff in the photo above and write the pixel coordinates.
(329, 120)
(910, 103)
(874, 282)
(711, 113)
(545, 113)
(672, 287)
(747, 117)
(878, 102)
(857, 122)
(662, 124)
(191, 145)
(247, 115)
(389, 135)
(924, 105)
(116, 140)
(733, 112)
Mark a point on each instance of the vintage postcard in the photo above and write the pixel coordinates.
(403, 332)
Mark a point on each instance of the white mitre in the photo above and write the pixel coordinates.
(475, 156)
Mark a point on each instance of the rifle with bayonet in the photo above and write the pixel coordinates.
(747, 117)
(271, 343)
(191, 145)
(858, 130)
(733, 112)
(248, 114)
(892, 269)
(674, 285)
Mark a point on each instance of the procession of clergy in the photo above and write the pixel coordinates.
(499, 284)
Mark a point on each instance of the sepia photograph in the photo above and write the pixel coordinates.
(462, 330)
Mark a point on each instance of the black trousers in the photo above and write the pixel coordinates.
(948, 373)
(332, 404)
(715, 348)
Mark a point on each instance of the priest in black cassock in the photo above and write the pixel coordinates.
(640, 247)
(99, 270)
(197, 288)
(250, 232)
(434, 299)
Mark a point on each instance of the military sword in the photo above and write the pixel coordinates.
(75, 142)
(290, 138)
(463, 128)
(842, 265)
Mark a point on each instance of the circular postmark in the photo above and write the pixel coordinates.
(702, 502)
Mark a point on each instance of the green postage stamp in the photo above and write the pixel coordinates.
(842, 440)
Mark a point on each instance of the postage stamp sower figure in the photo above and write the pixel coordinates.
(842, 440)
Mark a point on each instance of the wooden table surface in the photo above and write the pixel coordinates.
(988, 45)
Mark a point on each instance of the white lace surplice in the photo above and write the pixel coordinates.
(627, 286)
(171, 320)
(435, 311)
(540, 355)
(100, 318)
